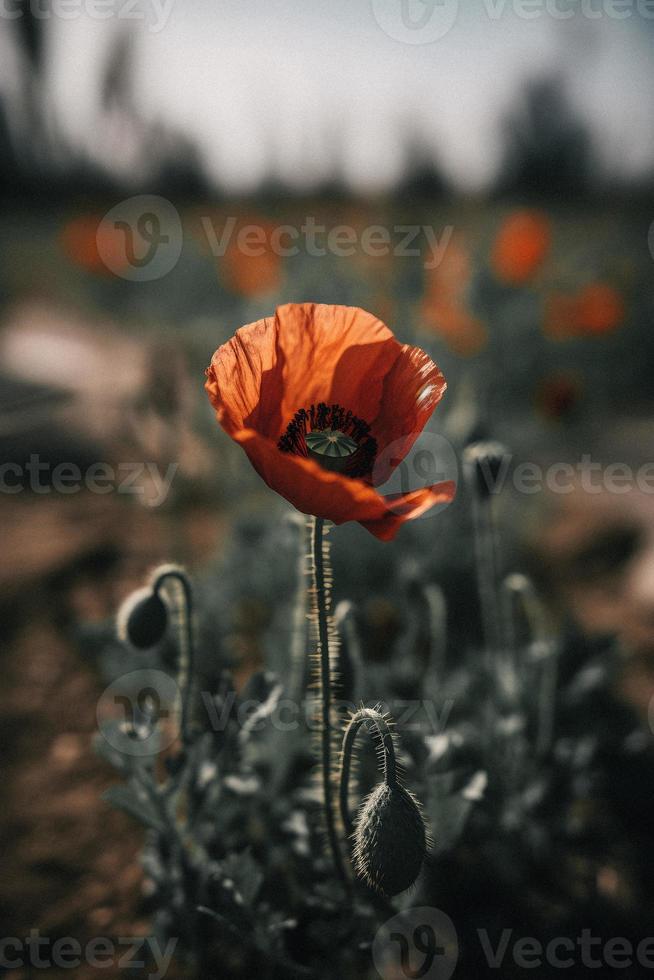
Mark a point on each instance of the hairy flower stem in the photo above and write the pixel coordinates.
(298, 644)
(325, 692)
(186, 641)
(387, 747)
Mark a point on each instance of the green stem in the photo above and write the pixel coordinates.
(325, 691)
(362, 716)
(186, 645)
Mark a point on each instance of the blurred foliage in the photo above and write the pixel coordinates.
(537, 784)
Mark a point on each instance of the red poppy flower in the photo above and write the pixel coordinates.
(326, 403)
(251, 265)
(444, 307)
(93, 245)
(596, 309)
(521, 246)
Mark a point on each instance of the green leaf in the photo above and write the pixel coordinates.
(246, 874)
(448, 812)
(135, 801)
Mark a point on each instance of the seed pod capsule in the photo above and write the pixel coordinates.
(390, 840)
(142, 619)
(485, 462)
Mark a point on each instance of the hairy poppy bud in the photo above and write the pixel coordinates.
(142, 619)
(485, 462)
(390, 841)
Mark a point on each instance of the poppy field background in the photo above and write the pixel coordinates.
(533, 761)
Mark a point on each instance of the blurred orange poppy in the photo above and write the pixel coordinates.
(444, 307)
(596, 309)
(326, 403)
(251, 265)
(94, 245)
(521, 246)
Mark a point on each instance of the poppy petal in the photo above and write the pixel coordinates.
(310, 353)
(337, 498)
(412, 390)
(307, 353)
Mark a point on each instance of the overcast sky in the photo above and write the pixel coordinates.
(270, 87)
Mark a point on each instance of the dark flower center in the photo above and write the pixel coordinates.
(333, 437)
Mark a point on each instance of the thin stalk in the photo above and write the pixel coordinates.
(345, 620)
(437, 612)
(186, 658)
(485, 547)
(519, 589)
(325, 692)
(297, 682)
(549, 678)
(387, 746)
(485, 567)
(483, 467)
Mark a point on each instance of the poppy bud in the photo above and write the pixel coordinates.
(485, 462)
(390, 841)
(142, 619)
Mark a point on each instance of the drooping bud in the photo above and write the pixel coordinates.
(142, 619)
(390, 840)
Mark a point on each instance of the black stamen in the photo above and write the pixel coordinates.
(334, 418)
